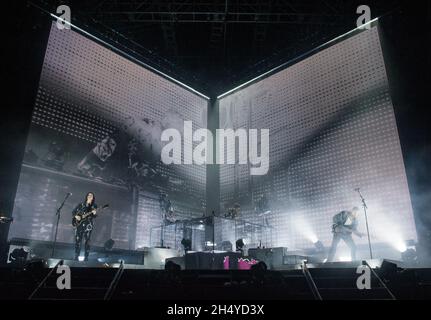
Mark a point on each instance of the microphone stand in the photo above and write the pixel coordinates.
(162, 245)
(58, 213)
(364, 205)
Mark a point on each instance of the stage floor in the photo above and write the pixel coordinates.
(95, 281)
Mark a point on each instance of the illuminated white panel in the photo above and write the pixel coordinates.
(332, 129)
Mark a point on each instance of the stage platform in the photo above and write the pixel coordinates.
(97, 281)
(155, 258)
(374, 263)
(51, 263)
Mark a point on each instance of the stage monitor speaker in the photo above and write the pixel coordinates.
(273, 257)
(388, 269)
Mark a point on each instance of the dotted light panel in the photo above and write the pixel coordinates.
(87, 92)
(332, 130)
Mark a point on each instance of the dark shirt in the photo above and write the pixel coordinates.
(340, 219)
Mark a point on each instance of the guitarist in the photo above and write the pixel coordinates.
(344, 224)
(85, 227)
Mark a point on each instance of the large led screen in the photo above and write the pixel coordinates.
(332, 130)
(96, 126)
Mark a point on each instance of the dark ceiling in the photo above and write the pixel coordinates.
(217, 44)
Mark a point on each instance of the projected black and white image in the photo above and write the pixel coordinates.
(96, 127)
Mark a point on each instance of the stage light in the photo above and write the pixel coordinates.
(345, 259)
(401, 247)
(385, 230)
(304, 228)
(313, 238)
(397, 242)
(409, 245)
(18, 256)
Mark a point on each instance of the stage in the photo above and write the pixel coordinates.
(163, 273)
(96, 281)
(187, 152)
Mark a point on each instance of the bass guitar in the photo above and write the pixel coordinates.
(80, 217)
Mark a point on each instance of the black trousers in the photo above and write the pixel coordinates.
(81, 233)
(347, 238)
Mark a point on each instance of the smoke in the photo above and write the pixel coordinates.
(418, 173)
(383, 228)
(304, 228)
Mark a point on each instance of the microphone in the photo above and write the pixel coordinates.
(69, 194)
(357, 189)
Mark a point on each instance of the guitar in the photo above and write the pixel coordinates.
(341, 229)
(78, 219)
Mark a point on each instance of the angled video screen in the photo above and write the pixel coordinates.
(96, 126)
(332, 130)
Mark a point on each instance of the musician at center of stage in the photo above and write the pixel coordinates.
(83, 216)
(167, 209)
(344, 225)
